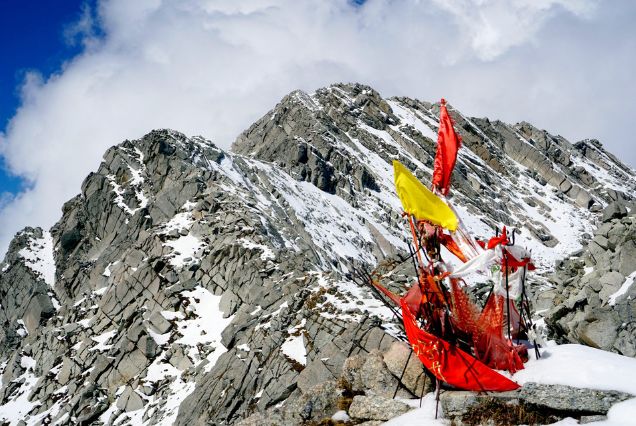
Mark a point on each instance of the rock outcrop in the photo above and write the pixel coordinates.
(592, 299)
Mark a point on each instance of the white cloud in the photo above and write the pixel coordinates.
(491, 27)
(213, 67)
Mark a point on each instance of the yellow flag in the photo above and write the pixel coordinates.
(419, 201)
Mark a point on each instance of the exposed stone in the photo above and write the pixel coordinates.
(160, 324)
(614, 211)
(571, 399)
(314, 372)
(627, 258)
(39, 309)
(591, 419)
(580, 310)
(369, 373)
(376, 408)
(413, 376)
(556, 400)
(600, 333)
(129, 400)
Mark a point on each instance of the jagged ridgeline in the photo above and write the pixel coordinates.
(187, 284)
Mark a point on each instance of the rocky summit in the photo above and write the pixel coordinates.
(189, 285)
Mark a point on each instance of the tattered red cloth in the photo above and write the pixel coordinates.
(513, 262)
(501, 239)
(485, 329)
(448, 143)
(449, 363)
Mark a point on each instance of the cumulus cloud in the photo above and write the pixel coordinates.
(491, 27)
(212, 67)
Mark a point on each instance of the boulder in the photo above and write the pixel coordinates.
(130, 400)
(370, 374)
(38, 310)
(376, 408)
(615, 210)
(600, 333)
(413, 377)
(532, 403)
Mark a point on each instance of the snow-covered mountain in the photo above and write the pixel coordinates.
(187, 284)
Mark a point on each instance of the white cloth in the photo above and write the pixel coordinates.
(482, 262)
(514, 284)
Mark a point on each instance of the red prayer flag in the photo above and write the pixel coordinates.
(448, 143)
(449, 363)
(501, 239)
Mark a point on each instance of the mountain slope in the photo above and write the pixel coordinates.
(193, 284)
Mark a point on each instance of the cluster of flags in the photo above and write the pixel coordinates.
(458, 342)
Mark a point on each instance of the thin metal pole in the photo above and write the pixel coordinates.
(437, 389)
(507, 295)
(424, 385)
(403, 371)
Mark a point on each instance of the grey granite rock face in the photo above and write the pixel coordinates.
(190, 285)
(26, 299)
(594, 297)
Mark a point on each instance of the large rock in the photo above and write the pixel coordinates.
(532, 403)
(600, 333)
(614, 210)
(129, 400)
(39, 309)
(376, 408)
(411, 374)
(571, 399)
(370, 374)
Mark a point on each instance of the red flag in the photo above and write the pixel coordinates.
(501, 239)
(449, 363)
(448, 143)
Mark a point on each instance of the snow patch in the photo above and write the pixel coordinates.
(184, 249)
(294, 348)
(38, 256)
(629, 281)
(204, 326)
(17, 408)
(179, 222)
(102, 340)
(420, 416)
(107, 271)
(267, 252)
(409, 117)
(581, 366)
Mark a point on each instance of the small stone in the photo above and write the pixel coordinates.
(591, 419)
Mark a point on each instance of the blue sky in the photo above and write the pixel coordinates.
(212, 67)
(32, 37)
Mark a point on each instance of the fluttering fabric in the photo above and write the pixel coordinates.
(419, 201)
(449, 363)
(448, 143)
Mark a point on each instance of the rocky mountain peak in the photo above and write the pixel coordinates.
(187, 284)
